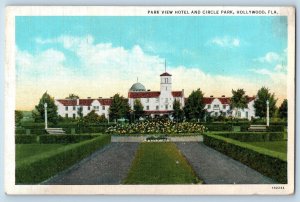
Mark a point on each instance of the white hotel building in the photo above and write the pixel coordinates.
(154, 102)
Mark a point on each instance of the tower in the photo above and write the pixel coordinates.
(165, 83)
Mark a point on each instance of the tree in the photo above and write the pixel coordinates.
(138, 108)
(79, 112)
(178, 112)
(194, 107)
(119, 108)
(72, 96)
(283, 109)
(93, 118)
(18, 117)
(260, 103)
(39, 112)
(238, 100)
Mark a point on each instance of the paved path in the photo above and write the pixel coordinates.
(216, 168)
(106, 166)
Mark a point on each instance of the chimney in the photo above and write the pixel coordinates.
(88, 97)
(148, 90)
(223, 95)
(99, 97)
(211, 96)
(77, 101)
(182, 92)
(110, 97)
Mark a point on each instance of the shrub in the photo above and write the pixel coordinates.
(270, 163)
(64, 139)
(276, 128)
(25, 139)
(39, 168)
(253, 136)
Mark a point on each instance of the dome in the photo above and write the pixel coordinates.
(137, 87)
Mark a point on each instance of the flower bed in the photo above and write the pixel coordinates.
(156, 127)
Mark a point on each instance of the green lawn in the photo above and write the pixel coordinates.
(160, 163)
(279, 146)
(24, 151)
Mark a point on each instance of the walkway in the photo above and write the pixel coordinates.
(216, 168)
(106, 166)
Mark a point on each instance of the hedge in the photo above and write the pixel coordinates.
(270, 163)
(25, 139)
(36, 169)
(253, 136)
(226, 126)
(64, 139)
(276, 128)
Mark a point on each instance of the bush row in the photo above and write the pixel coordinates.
(243, 127)
(253, 136)
(40, 168)
(270, 163)
(64, 139)
(25, 139)
(78, 130)
(276, 128)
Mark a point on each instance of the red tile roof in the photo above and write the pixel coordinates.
(165, 74)
(105, 101)
(146, 94)
(208, 100)
(85, 102)
(224, 100)
(68, 102)
(177, 93)
(249, 99)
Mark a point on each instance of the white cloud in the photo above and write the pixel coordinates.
(104, 70)
(270, 57)
(226, 41)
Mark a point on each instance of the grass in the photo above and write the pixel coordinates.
(160, 163)
(24, 151)
(278, 146)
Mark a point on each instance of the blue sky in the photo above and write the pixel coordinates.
(217, 48)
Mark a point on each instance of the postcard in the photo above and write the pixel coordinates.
(152, 100)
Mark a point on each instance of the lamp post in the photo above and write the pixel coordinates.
(268, 118)
(46, 118)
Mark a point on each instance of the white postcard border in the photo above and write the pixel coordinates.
(10, 92)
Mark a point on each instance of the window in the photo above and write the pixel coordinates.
(166, 107)
(224, 106)
(166, 100)
(157, 99)
(147, 107)
(89, 108)
(66, 108)
(74, 108)
(166, 88)
(247, 115)
(74, 116)
(239, 114)
(157, 107)
(96, 108)
(216, 106)
(147, 100)
(103, 107)
(67, 116)
(208, 106)
(216, 113)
